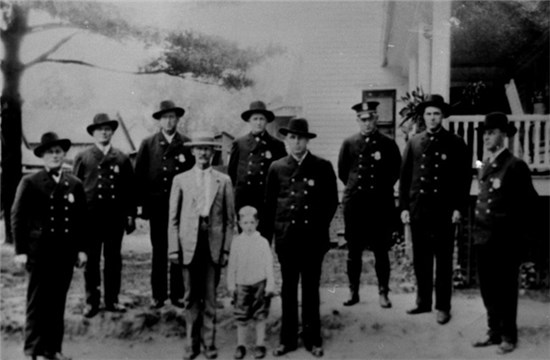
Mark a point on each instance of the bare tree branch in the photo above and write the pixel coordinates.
(51, 26)
(45, 55)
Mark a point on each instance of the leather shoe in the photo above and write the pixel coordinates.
(505, 347)
(317, 351)
(418, 310)
(385, 302)
(211, 352)
(91, 311)
(259, 352)
(283, 349)
(189, 353)
(115, 307)
(487, 341)
(354, 299)
(240, 352)
(56, 356)
(157, 304)
(177, 303)
(443, 317)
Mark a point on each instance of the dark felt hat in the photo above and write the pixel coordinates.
(167, 106)
(100, 120)
(497, 120)
(298, 126)
(366, 110)
(437, 101)
(258, 107)
(49, 140)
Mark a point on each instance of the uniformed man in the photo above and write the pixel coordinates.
(250, 158)
(369, 164)
(433, 190)
(161, 157)
(504, 205)
(108, 178)
(47, 219)
(301, 198)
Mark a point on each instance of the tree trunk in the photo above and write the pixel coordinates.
(11, 103)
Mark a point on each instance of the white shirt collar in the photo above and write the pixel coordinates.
(168, 137)
(493, 156)
(300, 160)
(104, 148)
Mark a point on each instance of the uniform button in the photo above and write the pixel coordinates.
(51, 196)
(66, 230)
(360, 155)
(305, 221)
(66, 208)
(372, 176)
(112, 176)
(359, 176)
(305, 207)
(436, 165)
(359, 187)
(292, 193)
(177, 168)
(435, 177)
(294, 222)
(52, 219)
(423, 155)
(164, 168)
(99, 176)
(422, 191)
(164, 158)
(250, 163)
(478, 201)
(436, 153)
(360, 166)
(261, 172)
(99, 196)
(112, 186)
(165, 179)
(66, 219)
(52, 230)
(292, 180)
(372, 187)
(100, 186)
(51, 207)
(113, 197)
(248, 182)
(292, 206)
(371, 165)
(435, 191)
(488, 211)
(305, 192)
(422, 166)
(477, 212)
(490, 201)
(422, 178)
(250, 172)
(261, 182)
(491, 190)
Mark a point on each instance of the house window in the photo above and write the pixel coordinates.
(386, 109)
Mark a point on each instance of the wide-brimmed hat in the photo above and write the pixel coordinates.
(497, 120)
(167, 106)
(298, 126)
(203, 138)
(100, 120)
(258, 107)
(49, 140)
(434, 100)
(366, 110)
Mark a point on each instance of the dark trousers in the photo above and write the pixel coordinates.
(498, 270)
(305, 265)
(158, 221)
(46, 296)
(106, 236)
(200, 293)
(355, 266)
(433, 241)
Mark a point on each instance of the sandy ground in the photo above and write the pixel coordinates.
(364, 331)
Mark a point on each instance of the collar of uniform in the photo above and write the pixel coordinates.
(198, 170)
(167, 137)
(370, 135)
(492, 156)
(300, 160)
(435, 133)
(103, 148)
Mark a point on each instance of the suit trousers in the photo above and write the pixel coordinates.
(49, 282)
(199, 298)
(158, 222)
(433, 241)
(300, 264)
(106, 235)
(355, 266)
(498, 271)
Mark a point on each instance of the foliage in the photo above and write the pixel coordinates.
(412, 121)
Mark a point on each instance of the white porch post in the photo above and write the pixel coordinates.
(441, 49)
(413, 72)
(424, 56)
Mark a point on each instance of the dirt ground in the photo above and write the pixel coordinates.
(364, 331)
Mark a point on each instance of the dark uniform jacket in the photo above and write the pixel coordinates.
(48, 218)
(435, 176)
(300, 199)
(505, 201)
(157, 163)
(369, 167)
(108, 180)
(249, 162)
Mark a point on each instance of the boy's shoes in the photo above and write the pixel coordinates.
(488, 340)
(317, 351)
(240, 352)
(90, 311)
(385, 302)
(419, 310)
(283, 349)
(505, 347)
(354, 299)
(443, 317)
(157, 304)
(177, 303)
(189, 352)
(211, 352)
(115, 307)
(56, 356)
(259, 352)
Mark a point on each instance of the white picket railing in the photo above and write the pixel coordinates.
(531, 142)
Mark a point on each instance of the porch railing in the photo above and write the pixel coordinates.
(531, 142)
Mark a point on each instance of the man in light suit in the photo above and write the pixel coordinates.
(200, 229)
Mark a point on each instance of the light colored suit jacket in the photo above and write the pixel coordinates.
(183, 223)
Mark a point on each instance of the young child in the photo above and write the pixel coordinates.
(250, 279)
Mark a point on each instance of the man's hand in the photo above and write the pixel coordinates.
(20, 260)
(456, 217)
(82, 260)
(141, 213)
(405, 217)
(130, 225)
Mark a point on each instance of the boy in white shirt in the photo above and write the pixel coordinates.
(250, 279)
